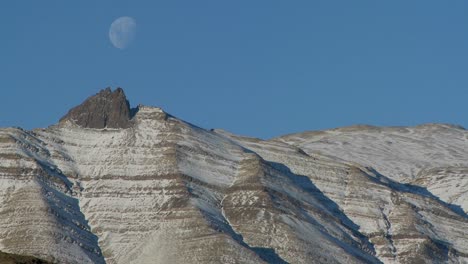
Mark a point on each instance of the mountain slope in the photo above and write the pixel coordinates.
(402, 221)
(180, 177)
(433, 156)
(121, 185)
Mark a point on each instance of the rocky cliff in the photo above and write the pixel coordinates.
(106, 109)
(109, 184)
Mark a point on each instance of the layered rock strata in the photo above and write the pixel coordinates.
(109, 184)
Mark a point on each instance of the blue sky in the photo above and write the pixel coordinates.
(260, 68)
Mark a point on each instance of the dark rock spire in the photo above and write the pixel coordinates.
(107, 108)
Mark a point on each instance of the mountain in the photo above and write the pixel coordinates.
(112, 184)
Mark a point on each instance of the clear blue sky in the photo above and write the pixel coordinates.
(260, 68)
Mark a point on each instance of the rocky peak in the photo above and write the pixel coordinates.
(106, 109)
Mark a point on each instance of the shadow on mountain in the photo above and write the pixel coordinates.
(304, 182)
(414, 189)
(67, 208)
(366, 253)
(221, 224)
(6, 258)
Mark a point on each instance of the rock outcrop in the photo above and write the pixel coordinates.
(106, 109)
(166, 191)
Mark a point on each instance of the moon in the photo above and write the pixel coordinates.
(122, 32)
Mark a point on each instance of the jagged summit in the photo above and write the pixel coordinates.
(106, 109)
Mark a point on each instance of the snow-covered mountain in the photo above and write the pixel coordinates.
(111, 184)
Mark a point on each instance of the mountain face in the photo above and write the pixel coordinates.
(110, 184)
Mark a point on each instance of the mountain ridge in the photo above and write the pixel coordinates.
(147, 187)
